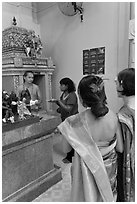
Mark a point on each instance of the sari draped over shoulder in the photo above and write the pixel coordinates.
(126, 165)
(90, 180)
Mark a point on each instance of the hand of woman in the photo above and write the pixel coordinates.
(53, 100)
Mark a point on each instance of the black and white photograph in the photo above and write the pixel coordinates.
(68, 101)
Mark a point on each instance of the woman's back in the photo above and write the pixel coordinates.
(92, 133)
(98, 154)
(102, 129)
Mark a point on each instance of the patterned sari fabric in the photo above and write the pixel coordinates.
(92, 181)
(110, 162)
(127, 161)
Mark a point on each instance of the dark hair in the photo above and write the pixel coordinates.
(69, 83)
(126, 78)
(26, 73)
(92, 92)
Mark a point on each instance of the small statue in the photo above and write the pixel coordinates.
(14, 103)
(39, 46)
(14, 21)
(25, 97)
(23, 110)
(5, 103)
(27, 50)
(9, 107)
(33, 45)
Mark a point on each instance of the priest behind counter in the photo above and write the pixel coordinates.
(34, 91)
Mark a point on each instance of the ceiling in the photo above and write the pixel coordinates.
(41, 6)
(35, 6)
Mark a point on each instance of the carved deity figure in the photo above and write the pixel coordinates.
(33, 46)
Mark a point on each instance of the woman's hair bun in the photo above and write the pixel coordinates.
(92, 92)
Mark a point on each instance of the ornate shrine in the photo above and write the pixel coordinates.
(27, 148)
(21, 51)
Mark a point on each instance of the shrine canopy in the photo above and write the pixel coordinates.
(21, 47)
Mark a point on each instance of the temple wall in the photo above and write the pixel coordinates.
(104, 24)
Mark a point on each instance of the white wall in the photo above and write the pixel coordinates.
(65, 38)
(24, 13)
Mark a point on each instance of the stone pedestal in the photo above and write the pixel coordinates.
(27, 163)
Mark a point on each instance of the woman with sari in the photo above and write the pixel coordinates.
(68, 105)
(94, 135)
(125, 83)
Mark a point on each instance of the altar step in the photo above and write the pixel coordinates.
(28, 168)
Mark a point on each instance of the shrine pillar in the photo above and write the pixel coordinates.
(132, 36)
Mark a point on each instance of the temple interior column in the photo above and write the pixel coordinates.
(48, 89)
(132, 36)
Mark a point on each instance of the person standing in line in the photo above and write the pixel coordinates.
(33, 91)
(125, 85)
(68, 105)
(94, 134)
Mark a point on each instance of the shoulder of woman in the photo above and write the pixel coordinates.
(35, 86)
(72, 94)
(125, 114)
(112, 115)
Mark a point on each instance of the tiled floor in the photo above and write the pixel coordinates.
(60, 192)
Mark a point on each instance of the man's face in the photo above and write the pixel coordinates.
(29, 78)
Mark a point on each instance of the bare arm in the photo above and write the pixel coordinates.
(66, 107)
(39, 96)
